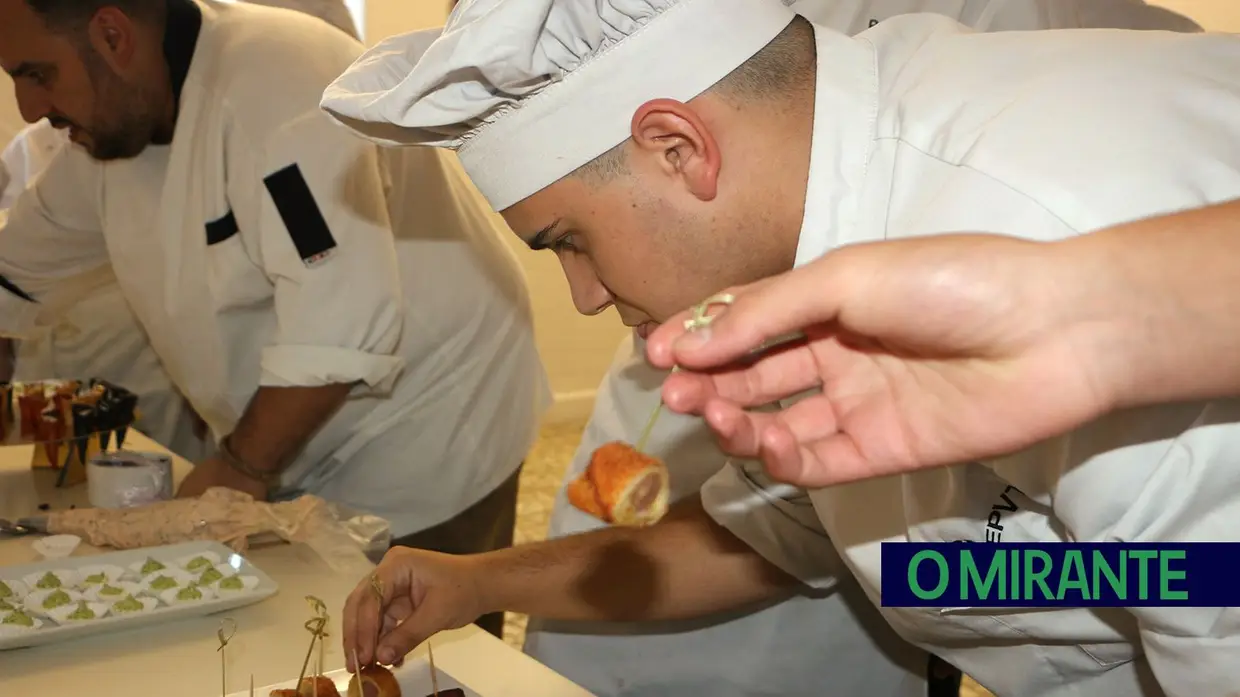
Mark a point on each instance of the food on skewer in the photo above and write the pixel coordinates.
(622, 486)
(374, 681)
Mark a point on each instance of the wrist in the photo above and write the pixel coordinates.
(492, 577)
(268, 478)
(1102, 315)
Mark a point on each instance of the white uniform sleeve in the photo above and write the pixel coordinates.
(311, 198)
(777, 520)
(51, 233)
(1178, 484)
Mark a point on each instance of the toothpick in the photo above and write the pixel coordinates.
(220, 633)
(430, 655)
(316, 627)
(251, 685)
(699, 320)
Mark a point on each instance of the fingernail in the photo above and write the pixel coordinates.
(690, 341)
(387, 656)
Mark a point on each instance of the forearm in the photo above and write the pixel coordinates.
(279, 421)
(1171, 282)
(686, 566)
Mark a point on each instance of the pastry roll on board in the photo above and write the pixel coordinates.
(622, 486)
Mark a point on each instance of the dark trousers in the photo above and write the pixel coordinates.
(943, 678)
(485, 526)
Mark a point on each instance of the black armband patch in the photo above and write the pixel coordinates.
(301, 215)
(222, 229)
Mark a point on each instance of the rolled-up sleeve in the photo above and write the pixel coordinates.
(325, 242)
(776, 520)
(50, 235)
(1184, 488)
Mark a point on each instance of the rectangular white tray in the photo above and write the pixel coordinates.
(414, 678)
(47, 635)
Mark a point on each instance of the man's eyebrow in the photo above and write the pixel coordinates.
(539, 240)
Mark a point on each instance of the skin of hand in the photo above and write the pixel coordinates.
(214, 472)
(922, 352)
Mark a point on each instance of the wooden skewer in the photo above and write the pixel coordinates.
(251, 685)
(699, 320)
(430, 655)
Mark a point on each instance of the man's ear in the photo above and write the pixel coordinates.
(681, 144)
(113, 35)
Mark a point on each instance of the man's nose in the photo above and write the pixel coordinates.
(590, 296)
(31, 102)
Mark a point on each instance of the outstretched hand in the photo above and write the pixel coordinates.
(924, 352)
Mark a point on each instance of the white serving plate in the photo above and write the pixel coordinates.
(414, 678)
(51, 633)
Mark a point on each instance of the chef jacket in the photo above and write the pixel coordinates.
(97, 336)
(922, 127)
(266, 246)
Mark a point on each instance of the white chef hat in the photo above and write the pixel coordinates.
(527, 91)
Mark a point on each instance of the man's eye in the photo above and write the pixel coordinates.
(564, 244)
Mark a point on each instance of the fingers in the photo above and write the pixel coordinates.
(742, 433)
(767, 310)
(417, 627)
(364, 613)
(782, 373)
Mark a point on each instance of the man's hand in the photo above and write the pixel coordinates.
(927, 352)
(214, 472)
(422, 593)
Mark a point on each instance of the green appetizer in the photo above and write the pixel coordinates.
(94, 579)
(232, 583)
(189, 593)
(151, 566)
(163, 583)
(5, 607)
(198, 564)
(49, 580)
(5, 591)
(83, 612)
(130, 604)
(55, 600)
(18, 618)
(210, 576)
(112, 591)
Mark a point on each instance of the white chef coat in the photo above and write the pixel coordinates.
(1041, 136)
(334, 12)
(98, 336)
(798, 646)
(266, 246)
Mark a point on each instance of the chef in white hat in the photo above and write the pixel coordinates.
(734, 655)
(667, 149)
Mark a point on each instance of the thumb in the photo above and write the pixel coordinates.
(771, 309)
(419, 626)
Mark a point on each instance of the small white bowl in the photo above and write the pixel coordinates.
(57, 546)
(148, 604)
(17, 590)
(248, 583)
(117, 591)
(93, 576)
(62, 614)
(9, 629)
(198, 563)
(169, 597)
(34, 602)
(64, 578)
(153, 585)
(136, 567)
